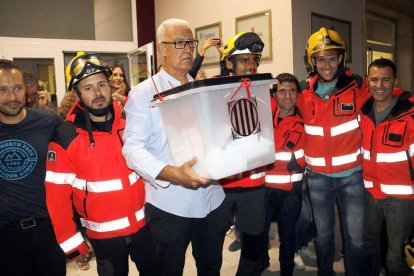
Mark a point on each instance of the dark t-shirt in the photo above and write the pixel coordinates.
(23, 150)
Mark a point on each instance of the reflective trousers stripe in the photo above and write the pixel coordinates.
(111, 225)
(344, 128)
(283, 179)
(336, 161)
(72, 242)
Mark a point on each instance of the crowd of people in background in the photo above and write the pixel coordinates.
(98, 172)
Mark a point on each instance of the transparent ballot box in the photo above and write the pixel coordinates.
(226, 123)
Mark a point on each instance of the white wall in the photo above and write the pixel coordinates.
(349, 10)
(204, 13)
(113, 20)
(290, 26)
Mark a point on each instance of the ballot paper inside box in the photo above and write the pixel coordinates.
(226, 123)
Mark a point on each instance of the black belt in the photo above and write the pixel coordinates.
(25, 223)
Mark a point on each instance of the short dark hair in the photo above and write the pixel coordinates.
(6, 64)
(30, 80)
(286, 77)
(382, 63)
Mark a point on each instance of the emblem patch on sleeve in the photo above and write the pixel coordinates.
(51, 156)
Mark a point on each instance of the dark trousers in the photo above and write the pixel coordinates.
(112, 254)
(33, 251)
(398, 215)
(247, 205)
(172, 234)
(284, 206)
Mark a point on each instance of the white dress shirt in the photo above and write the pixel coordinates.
(146, 151)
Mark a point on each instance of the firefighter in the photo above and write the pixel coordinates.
(245, 192)
(86, 169)
(387, 126)
(330, 103)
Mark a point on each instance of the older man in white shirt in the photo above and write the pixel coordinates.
(182, 207)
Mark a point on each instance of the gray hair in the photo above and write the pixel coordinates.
(167, 23)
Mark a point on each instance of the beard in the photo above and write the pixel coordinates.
(11, 112)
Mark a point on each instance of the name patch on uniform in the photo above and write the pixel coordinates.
(51, 156)
(347, 107)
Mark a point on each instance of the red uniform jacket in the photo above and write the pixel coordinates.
(333, 138)
(108, 196)
(289, 142)
(388, 149)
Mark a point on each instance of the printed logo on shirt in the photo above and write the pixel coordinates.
(17, 159)
(51, 156)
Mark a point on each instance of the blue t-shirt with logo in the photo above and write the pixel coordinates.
(23, 150)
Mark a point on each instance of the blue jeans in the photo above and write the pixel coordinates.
(284, 206)
(349, 191)
(305, 229)
(398, 215)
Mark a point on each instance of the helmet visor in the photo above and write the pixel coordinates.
(86, 65)
(249, 41)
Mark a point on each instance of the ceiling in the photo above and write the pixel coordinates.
(401, 6)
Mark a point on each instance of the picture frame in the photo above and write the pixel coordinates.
(260, 23)
(343, 27)
(212, 55)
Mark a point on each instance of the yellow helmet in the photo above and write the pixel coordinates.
(84, 65)
(243, 43)
(321, 41)
(409, 251)
(67, 70)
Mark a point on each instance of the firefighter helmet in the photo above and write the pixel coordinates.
(84, 65)
(243, 43)
(409, 251)
(321, 41)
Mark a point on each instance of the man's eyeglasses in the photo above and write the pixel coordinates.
(181, 44)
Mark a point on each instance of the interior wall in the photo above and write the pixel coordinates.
(350, 10)
(51, 20)
(113, 20)
(226, 12)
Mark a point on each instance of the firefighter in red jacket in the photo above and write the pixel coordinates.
(330, 104)
(387, 125)
(86, 169)
(245, 192)
(284, 180)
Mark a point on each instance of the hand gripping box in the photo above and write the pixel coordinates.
(226, 123)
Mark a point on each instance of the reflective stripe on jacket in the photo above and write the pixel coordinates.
(290, 139)
(388, 150)
(107, 195)
(333, 138)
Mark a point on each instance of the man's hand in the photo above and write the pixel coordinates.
(183, 175)
(42, 99)
(208, 43)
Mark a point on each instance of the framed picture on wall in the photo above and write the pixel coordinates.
(260, 23)
(212, 55)
(343, 27)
